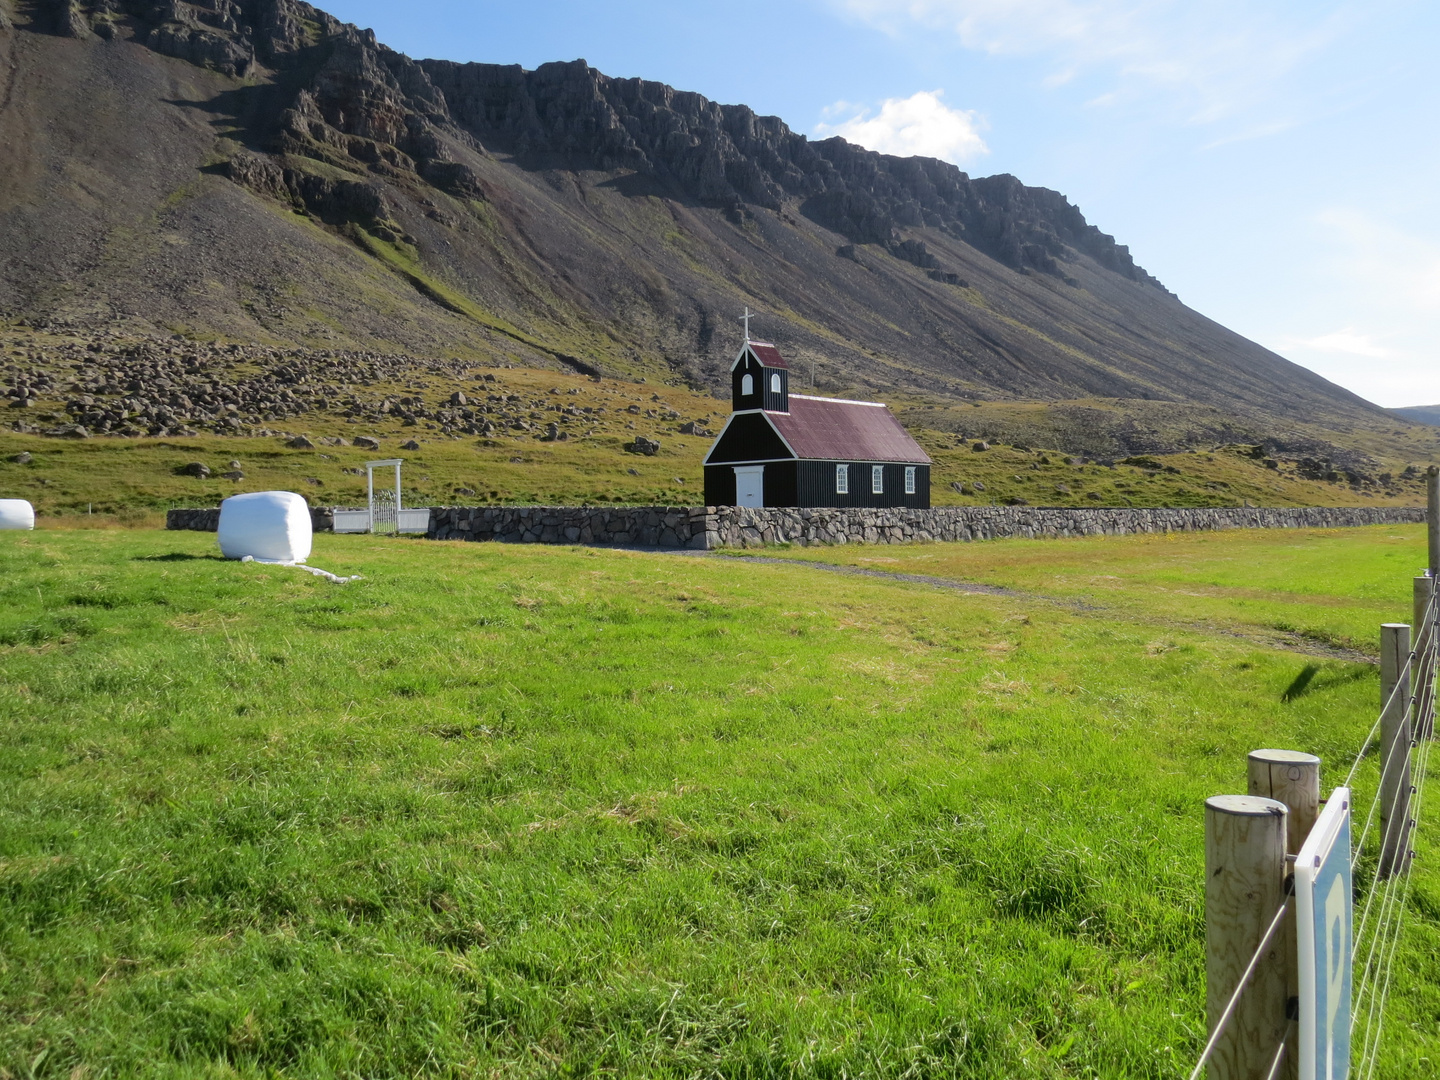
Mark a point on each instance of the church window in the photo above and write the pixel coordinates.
(909, 479)
(747, 385)
(877, 479)
(775, 383)
(842, 479)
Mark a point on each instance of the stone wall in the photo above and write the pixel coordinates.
(705, 527)
(639, 526)
(207, 519)
(734, 526)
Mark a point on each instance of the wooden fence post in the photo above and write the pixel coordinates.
(1395, 738)
(1424, 630)
(1292, 778)
(1244, 887)
(1432, 516)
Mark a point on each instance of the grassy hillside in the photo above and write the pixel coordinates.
(523, 811)
(135, 477)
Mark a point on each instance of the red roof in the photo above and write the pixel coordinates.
(767, 354)
(833, 429)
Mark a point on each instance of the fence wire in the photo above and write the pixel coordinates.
(1387, 898)
(1416, 681)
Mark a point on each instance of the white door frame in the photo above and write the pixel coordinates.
(758, 486)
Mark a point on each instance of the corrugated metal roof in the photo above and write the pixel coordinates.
(834, 430)
(768, 354)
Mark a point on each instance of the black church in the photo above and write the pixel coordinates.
(784, 449)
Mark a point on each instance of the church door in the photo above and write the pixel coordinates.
(750, 485)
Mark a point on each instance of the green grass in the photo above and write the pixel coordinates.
(526, 811)
(1303, 582)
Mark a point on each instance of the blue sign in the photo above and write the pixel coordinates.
(1324, 928)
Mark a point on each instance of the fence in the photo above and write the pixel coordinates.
(1296, 986)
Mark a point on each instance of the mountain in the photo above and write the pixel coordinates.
(256, 170)
(1420, 414)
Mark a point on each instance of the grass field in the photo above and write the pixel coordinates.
(530, 811)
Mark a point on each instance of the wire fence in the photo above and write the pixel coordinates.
(1385, 899)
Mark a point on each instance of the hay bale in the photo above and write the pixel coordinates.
(268, 526)
(16, 514)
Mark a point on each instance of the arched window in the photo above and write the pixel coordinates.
(842, 479)
(747, 385)
(775, 382)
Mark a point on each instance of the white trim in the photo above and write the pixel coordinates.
(841, 401)
(748, 412)
(911, 479)
(877, 479)
(842, 469)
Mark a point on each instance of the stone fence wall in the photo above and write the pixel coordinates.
(639, 526)
(705, 527)
(207, 519)
(734, 526)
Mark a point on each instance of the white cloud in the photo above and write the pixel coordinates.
(1348, 341)
(1384, 283)
(920, 125)
(1213, 59)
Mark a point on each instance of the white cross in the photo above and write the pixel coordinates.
(746, 320)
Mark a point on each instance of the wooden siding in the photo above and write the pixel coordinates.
(812, 483)
(749, 437)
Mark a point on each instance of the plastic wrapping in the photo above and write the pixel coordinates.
(16, 514)
(267, 526)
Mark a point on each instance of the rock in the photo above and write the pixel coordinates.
(197, 469)
(234, 464)
(979, 445)
(233, 474)
(365, 442)
(978, 486)
(693, 427)
(1062, 489)
(69, 431)
(314, 481)
(958, 487)
(459, 398)
(22, 403)
(552, 432)
(22, 458)
(633, 472)
(300, 442)
(642, 445)
(409, 444)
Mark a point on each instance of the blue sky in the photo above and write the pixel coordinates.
(1276, 164)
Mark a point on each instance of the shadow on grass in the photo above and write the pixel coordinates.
(178, 556)
(1307, 683)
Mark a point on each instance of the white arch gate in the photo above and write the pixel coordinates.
(385, 512)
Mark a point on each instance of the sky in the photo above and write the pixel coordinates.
(1275, 163)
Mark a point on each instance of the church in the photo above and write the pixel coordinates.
(792, 450)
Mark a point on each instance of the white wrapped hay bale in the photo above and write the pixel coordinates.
(16, 514)
(267, 526)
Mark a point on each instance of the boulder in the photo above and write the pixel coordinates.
(365, 442)
(22, 458)
(979, 445)
(197, 469)
(300, 442)
(409, 444)
(642, 445)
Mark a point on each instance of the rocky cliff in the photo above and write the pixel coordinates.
(259, 170)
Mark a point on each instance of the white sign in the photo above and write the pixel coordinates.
(1324, 928)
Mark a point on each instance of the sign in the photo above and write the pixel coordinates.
(1324, 927)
